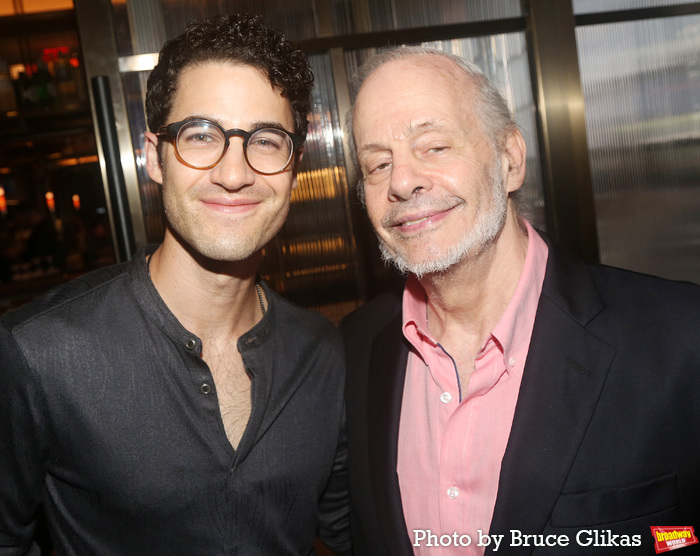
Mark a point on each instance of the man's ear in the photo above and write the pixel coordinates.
(153, 167)
(514, 155)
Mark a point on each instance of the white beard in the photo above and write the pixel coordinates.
(486, 229)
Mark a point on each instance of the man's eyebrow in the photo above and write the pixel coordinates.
(251, 126)
(370, 147)
(429, 125)
(410, 130)
(272, 124)
(198, 117)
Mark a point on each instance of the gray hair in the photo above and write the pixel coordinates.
(491, 109)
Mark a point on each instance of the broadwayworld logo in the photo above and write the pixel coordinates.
(670, 538)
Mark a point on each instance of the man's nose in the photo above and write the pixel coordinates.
(233, 170)
(408, 177)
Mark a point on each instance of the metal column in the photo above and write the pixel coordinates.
(562, 126)
(100, 59)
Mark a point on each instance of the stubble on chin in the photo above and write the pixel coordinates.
(202, 237)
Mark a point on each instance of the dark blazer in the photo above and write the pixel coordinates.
(606, 432)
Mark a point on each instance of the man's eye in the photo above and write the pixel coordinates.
(379, 167)
(200, 138)
(376, 166)
(432, 149)
(265, 143)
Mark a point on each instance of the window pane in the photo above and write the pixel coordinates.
(360, 16)
(641, 84)
(142, 26)
(591, 6)
(313, 260)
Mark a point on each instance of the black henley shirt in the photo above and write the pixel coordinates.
(109, 418)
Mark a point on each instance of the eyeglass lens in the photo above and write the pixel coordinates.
(201, 144)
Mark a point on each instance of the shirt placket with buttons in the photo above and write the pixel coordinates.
(462, 506)
(444, 373)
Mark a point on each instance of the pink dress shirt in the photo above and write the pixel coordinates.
(450, 450)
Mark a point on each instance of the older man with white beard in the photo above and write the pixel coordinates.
(503, 391)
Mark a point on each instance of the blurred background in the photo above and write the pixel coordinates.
(607, 93)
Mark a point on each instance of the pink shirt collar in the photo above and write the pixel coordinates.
(519, 315)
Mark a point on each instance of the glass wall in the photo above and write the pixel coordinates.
(363, 16)
(591, 6)
(641, 83)
(143, 26)
(313, 260)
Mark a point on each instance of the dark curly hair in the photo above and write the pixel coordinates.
(240, 39)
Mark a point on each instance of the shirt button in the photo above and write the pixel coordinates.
(511, 361)
(453, 492)
(205, 388)
(191, 343)
(445, 397)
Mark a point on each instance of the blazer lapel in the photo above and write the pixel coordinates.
(385, 384)
(563, 378)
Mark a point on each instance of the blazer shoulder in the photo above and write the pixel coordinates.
(598, 292)
(632, 290)
(649, 315)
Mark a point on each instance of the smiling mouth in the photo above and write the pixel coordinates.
(420, 221)
(230, 202)
(407, 223)
(227, 207)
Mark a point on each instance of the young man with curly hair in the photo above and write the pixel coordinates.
(174, 404)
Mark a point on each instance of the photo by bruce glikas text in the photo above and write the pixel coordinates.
(586, 537)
